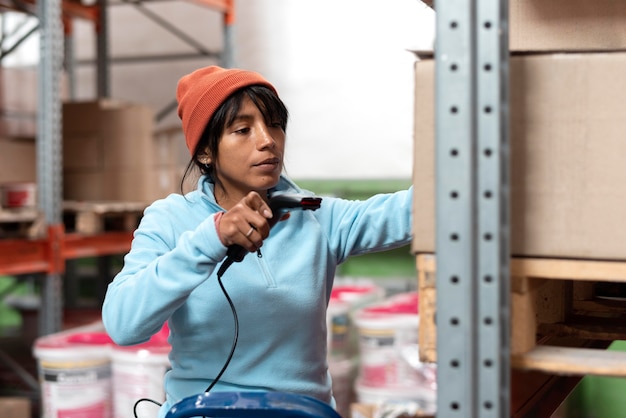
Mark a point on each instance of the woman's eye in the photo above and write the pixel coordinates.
(242, 130)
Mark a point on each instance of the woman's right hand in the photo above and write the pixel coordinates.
(246, 223)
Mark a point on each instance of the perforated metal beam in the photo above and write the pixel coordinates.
(472, 209)
(49, 153)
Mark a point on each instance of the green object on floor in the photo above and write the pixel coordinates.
(9, 317)
(599, 396)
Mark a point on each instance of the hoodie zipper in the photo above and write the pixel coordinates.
(269, 279)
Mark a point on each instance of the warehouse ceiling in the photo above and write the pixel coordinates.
(91, 12)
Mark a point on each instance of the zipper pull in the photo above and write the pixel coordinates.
(258, 253)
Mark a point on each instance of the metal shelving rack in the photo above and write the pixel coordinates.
(472, 197)
(472, 200)
(47, 256)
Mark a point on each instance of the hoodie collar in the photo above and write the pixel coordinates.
(206, 187)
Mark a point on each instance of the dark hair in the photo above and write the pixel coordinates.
(271, 106)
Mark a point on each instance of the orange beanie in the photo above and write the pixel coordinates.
(200, 93)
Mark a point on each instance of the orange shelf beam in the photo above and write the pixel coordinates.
(227, 7)
(219, 5)
(24, 256)
(72, 9)
(48, 255)
(108, 243)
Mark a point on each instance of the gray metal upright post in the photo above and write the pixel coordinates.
(70, 65)
(102, 51)
(472, 209)
(228, 53)
(49, 148)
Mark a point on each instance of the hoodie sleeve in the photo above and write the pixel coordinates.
(162, 268)
(382, 222)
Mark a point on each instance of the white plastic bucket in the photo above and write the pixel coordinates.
(338, 328)
(388, 338)
(75, 375)
(343, 373)
(138, 372)
(344, 300)
(423, 398)
(358, 294)
(19, 195)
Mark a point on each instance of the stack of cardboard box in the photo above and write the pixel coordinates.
(111, 152)
(15, 407)
(567, 146)
(17, 160)
(111, 148)
(567, 132)
(18, 101)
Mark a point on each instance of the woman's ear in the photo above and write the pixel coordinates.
(204, 159)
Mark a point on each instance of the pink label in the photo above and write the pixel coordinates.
(96, 410)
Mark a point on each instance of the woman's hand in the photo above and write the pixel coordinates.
(246, 223)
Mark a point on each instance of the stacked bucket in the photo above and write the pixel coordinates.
(83, 374)
(346, 298)
(389, 367)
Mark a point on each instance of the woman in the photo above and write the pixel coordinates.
(234, 125)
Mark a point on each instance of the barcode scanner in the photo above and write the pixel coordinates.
(279, 204)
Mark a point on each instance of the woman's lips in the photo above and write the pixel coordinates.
(270, 164)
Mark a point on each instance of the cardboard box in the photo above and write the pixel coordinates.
(112, 152)
(145, 184)
(565, 25)
(17, 123)
(18, 100)
(391, 410)
(17, 160)
(107, 134)
(15, 407)
(568, 146)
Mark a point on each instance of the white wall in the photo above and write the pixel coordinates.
(343, 67)
(345, 73)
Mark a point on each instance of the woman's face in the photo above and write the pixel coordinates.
(250, 153)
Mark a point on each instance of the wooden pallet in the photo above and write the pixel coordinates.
(95, 217)
(21, 223)
(559, 308)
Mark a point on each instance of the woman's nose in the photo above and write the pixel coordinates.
(264, 137)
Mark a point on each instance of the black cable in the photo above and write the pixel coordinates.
(221, 271)
(236, 336)
(143, 400)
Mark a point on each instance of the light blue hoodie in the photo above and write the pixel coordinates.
(280, 293)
